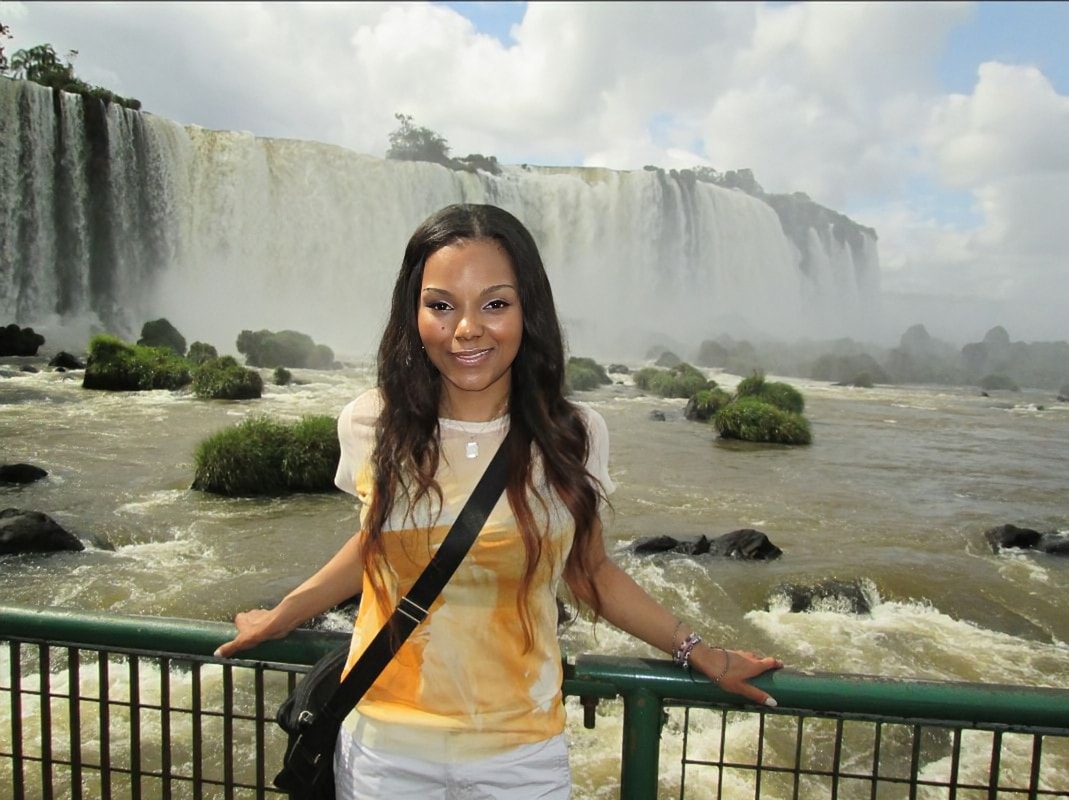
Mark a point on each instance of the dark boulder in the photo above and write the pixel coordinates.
(657, 415)
(21, 473)
(1003, 536)
(16, 341)
(1012, 537)
(64, 360)
(829, 595)
(668, 544)
(33, 532)
(745, 544)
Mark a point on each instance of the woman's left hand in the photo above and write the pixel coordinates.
(732, 669)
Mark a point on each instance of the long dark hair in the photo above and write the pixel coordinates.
(406, 453)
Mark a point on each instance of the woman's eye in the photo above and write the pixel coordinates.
(497, 304)
(438, 305)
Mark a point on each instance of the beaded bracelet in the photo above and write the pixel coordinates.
(682, 657)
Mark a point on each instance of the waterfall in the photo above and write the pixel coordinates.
(113, 217)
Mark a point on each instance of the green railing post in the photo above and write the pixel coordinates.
(641, 745)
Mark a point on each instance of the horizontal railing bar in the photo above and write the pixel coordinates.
(163, 635)
(969, 704)
(597, 675)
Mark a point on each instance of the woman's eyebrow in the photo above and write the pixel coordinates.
(488, 290)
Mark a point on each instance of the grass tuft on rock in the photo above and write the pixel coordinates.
(753, 419)
(262, 456)
(114, 365)
(225, 379)
(583, 374)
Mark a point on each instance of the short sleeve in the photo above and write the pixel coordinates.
(598, 459)
(356, 435)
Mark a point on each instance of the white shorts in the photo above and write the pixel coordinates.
(536, 771)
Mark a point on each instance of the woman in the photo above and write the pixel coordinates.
(471, 704)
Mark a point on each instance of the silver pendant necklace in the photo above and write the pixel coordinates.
(472, 448)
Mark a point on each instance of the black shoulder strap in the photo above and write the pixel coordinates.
(415, 605)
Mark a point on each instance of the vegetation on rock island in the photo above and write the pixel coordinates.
(681, 380)
(764, 411)
(583, 374)
(752, 420)
(199, 352)
(266, 457)
(272, 349)
(225, 379)
(703, 405)
(114, 365)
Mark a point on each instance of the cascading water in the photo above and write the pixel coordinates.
(87, 210)
(116, 217)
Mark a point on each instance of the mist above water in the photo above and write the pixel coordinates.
(221, 231)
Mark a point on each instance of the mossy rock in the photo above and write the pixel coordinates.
(199, 352)
(752, 419)
(225, 379)
(161, 333)
(262, 456)
(282, 376)
(682, 380)
(272, 349)
(703, 405)
(114, 365)
(584, 374)
(782, 395)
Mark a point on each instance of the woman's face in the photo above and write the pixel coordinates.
(471, 324)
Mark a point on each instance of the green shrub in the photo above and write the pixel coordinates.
(311, 459)
(862, 381)
(1003, 382)
(161, 333)
(703, 405)
(752, 419)
(261, 456)
(114, 365)
(283, 349)
(199, 352)
(781, 395)
(583, 374)
(682, 380)
(282, 376)
(225, 379)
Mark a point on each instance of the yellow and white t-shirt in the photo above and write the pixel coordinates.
(461, 686)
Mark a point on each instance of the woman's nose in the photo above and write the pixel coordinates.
(469, 327)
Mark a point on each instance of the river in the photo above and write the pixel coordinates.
(894, 493)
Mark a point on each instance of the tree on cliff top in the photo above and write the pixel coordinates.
(416, 143)
(41, 64)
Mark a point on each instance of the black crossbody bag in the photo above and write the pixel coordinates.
(312, 715)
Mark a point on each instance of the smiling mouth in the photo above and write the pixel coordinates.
(471, 356)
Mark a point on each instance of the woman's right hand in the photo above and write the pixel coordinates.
(253, 627)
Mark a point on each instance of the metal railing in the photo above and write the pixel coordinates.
(104, 705)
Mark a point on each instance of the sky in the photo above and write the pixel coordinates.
(943, 126)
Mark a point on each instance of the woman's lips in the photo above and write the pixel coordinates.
(472, 357)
